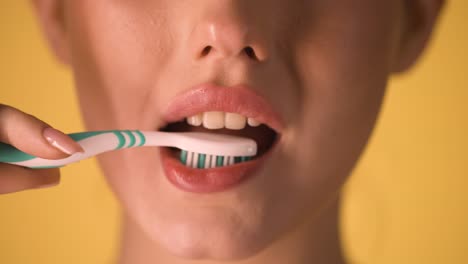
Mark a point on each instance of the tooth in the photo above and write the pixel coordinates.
(195, 120)
(213, 120)
(253, 122)
(234, 121)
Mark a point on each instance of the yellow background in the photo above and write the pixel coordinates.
(406, 203)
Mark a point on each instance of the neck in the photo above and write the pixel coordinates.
(316, 242)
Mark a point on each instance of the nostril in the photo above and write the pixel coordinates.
(250, 53)
(206, 51)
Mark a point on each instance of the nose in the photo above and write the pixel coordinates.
(227, 35)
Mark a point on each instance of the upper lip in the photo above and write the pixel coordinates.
(239, 99)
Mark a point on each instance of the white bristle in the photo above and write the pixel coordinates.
(195, 160)
(213, 161)
(189, 158)
(210, 160)
(207, 161)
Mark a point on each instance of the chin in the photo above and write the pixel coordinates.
(226, 239)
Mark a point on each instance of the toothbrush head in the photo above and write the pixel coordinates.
(206, 150)
(215, 144)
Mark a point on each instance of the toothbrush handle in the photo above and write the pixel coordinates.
(93, 143)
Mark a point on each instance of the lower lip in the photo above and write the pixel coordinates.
(207, 180)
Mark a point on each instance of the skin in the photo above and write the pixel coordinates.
(323, 65)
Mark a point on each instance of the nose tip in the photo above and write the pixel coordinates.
(227, 39)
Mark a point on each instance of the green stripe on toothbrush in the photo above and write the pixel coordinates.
(9, 153)
(201, 161)
(132, 138)
(219, 161)
(83, 135)
(121, 139)
(245, 159)
(183, 157)
(142, 138)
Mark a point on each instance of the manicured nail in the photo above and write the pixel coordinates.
(61, 141)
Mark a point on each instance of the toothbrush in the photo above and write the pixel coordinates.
(198, 150)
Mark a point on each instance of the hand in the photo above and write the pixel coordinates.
(32, 136)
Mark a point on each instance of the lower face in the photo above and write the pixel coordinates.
(324, 77)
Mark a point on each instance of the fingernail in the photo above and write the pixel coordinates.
(61, 141)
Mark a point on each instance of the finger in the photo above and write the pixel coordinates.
(14, 178)
(33, 136)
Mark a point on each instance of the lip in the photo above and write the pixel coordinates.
(207, 97)
(238, 99)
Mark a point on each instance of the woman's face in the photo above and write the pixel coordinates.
(320, 66)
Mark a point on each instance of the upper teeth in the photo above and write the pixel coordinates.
(218, 120)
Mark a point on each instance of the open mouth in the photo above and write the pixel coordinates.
(209, 108)
(225, 123)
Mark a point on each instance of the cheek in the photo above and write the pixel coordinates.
(343, 64)
(117, 54)
(114, 74)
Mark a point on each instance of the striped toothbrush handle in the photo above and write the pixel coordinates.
(93, 143)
